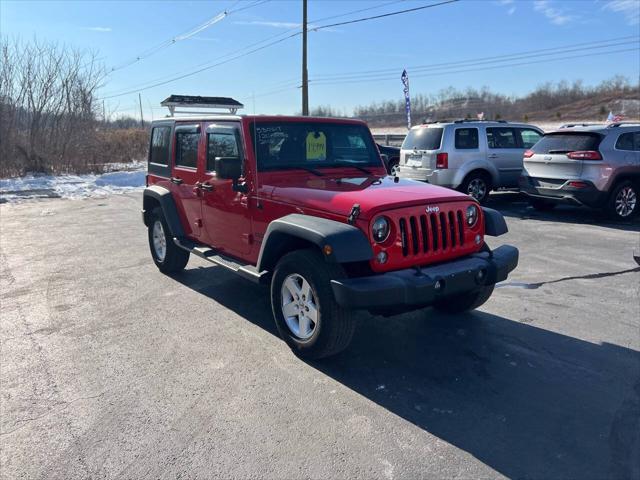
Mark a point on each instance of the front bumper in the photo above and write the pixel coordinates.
(418, 287)
(564, 193)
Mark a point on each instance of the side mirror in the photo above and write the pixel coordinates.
(228, 167)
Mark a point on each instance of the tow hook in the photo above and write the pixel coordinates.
(353, 216)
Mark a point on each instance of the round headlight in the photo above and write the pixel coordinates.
(472, 215)
(380, 229)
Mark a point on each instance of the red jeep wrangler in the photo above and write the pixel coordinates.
(306, 205)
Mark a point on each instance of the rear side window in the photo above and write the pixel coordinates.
(423, 138)
(629, 141)
(466, 138)
(529, 137)
(566, 142)
(221, 144)
(187, 149)
(502, 138)
(160, 140)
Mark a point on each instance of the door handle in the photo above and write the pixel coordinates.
(493, 155)
(176, 180)
(207, 187)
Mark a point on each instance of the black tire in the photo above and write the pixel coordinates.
(334, 329)
(620, 211)
(474, 179)
(175, 258)
(465, 301)
(541, 205)
(393, 164)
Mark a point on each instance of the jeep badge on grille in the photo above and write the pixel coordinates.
(431, 209)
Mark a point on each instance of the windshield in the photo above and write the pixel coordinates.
(423, 138)
(567, 142)
(313, 145)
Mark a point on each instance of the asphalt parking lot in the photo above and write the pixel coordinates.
(111, 369)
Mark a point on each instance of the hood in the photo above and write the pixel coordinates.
(338, 194)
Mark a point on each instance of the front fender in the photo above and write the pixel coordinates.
(347, 243)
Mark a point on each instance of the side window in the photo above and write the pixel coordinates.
(629, 141)
(501, 138)
(466, 138)
(221, 144)
(160, 140)
(529, 137)
(187, 149)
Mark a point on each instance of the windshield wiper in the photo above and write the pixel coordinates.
(272, 168)
(345, 164)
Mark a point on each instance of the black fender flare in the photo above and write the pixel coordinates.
(347, 243)
(494, 223)
(168, 205)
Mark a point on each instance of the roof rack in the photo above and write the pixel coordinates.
(198, 102)
(571, 125)
(620, 124)
(473, 120)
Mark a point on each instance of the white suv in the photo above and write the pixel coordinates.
(472, 156)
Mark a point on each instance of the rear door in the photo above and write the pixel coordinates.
(420, 146)
(504, 150)
(185, 175)
(550, 158)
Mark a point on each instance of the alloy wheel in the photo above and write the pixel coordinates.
(626, 201)
(299, 306)
(477, 188)
(159, 240)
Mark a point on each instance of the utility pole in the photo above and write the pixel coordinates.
(141, 117)
(305, 77)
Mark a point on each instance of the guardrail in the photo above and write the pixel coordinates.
(394, 139)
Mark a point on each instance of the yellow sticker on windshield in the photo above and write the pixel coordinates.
(316, 146)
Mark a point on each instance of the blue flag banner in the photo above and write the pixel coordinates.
(407, 98)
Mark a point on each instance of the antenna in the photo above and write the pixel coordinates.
(255, 150)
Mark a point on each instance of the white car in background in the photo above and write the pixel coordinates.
(472, 156)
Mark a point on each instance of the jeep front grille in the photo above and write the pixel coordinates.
(431, 233)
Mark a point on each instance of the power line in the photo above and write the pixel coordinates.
(209, 66)
(439, 73)
(496, 58)
(183, 36)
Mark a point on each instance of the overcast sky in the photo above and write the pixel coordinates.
(592, 40)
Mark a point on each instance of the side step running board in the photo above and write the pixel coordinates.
(244, 270)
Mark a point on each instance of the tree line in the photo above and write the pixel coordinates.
(51, 120)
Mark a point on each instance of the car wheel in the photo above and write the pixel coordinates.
(168, 257)
(477, 185)
(464, 301)
(623, 202)
(307, 316)
(541, 205)
(394, 168)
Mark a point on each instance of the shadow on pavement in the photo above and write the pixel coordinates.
(515, 205)
(528, 402)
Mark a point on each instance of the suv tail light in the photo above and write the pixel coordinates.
(529, 153)
(442, 160)
(585, 155)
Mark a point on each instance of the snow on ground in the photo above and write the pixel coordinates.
(74, 186)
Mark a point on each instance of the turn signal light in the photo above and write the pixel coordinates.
(585, 155)
(442, 160)
(529, 153)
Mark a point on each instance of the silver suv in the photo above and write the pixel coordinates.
(593, 165)
(469, 155)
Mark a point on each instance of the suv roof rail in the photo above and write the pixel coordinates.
(473, 120)
(620, 124)
(213, 104)
(571, 125)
